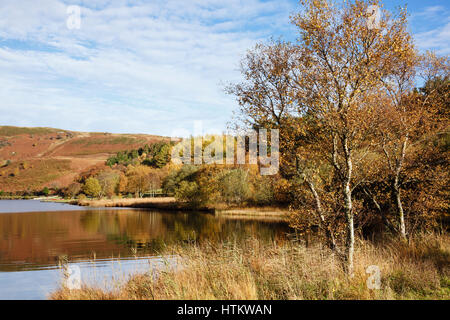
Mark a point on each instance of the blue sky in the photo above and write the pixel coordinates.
(147, 66)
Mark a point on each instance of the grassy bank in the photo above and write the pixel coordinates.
(170, 203)
(124, 202)
(17, 197)
(162, 203)
(253, 212)
(253, 270)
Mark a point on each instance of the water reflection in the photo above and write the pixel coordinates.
(37, 240)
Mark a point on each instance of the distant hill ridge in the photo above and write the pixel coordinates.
(34, 157)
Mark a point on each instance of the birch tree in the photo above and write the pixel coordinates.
(331, 78)
(408, 115)
(346, 61)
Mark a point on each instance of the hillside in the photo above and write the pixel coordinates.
(34, 158)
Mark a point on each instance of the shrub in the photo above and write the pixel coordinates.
(173, 180)
(263, 191)
(73, 189)
(234, 186)
(92, 187)
(189, 191)
(45, 191)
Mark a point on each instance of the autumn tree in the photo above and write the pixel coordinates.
(92, 187)
(156, 177)
(108, 181)
(340, 64)
(122, 184)
(176, 176)
(400, 119)
(346, 66)
(73, 189)
(410, 117)
(138, 179)
(266, 97)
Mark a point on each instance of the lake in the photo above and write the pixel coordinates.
(103, 242)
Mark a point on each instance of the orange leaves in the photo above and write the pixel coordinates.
(344, 100)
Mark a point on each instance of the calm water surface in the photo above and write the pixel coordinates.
(35, 236)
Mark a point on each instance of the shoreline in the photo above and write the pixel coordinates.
(267, 211)
(160, 203)
(166, 203)
(169, 203)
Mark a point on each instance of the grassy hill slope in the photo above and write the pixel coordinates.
(34, 158)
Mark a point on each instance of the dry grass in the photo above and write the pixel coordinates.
(37, 174)
(13, 131)
(252, 270)
(253, 212)
(268, 213)
(128, 202)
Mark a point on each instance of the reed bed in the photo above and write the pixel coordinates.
(252, 269)
(124, 202)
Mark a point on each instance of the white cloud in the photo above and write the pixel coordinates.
(437, 39)
(432, 25)
(149, 67)
(429, 12)
(137, 66)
